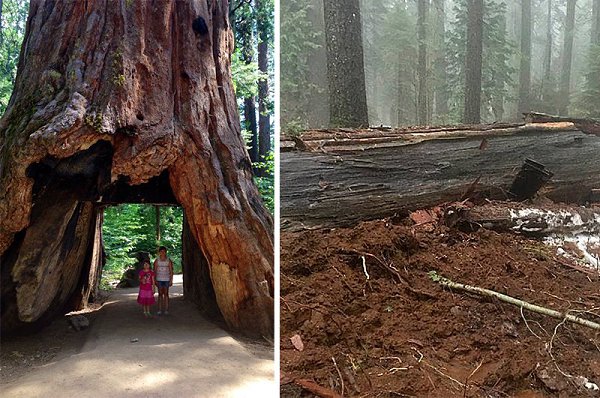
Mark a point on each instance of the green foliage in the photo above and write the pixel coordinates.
(131, 228)
(588, 102)
(245, 76)
(266, 184)
(299, 41)
(14, 18)
(497, 69)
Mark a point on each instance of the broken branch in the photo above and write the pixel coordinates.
(511, 300)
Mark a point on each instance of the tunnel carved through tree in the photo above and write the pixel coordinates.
(117, 102)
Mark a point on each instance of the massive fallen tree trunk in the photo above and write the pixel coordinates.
(121, 101)
(338, 177)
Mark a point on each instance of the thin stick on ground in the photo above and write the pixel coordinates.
(339, 374)
(511, 300)
(469, 377)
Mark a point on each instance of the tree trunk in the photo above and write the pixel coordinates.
(345, 64)
(473, 62)
(441, 92)
(525, 67)
(1, 26)
(422, 111)
(595, 34)
(264, 122)
(546, 90)
(343, 177)
(246, 34)
(567, 58)
(157, 221)
(112, 98)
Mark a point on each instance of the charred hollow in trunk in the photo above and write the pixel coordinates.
(128, 102)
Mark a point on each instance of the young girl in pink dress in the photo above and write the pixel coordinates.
(146, 294)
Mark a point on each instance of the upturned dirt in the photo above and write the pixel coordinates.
(385, 336)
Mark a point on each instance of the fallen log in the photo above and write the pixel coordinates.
(588, 125)
(344, 176)
(511, 300)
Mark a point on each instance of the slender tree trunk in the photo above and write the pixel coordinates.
(133, 97)
(473, 62)
(264, 122)
(157, 221)
(525, 68)
(422, 111)
(246, 34)
(1, 24)
(565, 78)
(595, 34)
(545, 89)
(441, 92)
(345, 64)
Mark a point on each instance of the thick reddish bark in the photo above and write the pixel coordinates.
(109, 96)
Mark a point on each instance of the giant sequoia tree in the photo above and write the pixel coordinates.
(128, 101)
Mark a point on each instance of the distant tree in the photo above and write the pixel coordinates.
(595, 32)
(264, 27)
(567, 57)
(300, 41)
(422, 75)
(13, 16)
(525, 67)
(345, 63)
(546, 88)
(245, 25)
(439, 62)
(497, 69)
(473, 62)
(588, 101)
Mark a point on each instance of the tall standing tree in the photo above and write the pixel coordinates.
(440, 63)
(567, 58)
(525, 67)
(547, 73)
(345, 63)
(588, 101)
(264, 27)
(595, 31)
(473, 62)
(245, 24)
(422, 96)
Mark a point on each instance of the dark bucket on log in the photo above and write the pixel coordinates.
(531, 178)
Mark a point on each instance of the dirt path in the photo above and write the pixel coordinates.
(179, 355)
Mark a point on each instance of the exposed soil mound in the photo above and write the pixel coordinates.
(396, 333)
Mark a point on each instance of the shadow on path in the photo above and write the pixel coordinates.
(179, 355)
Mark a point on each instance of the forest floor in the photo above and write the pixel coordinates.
(385, 338)
(181, 354)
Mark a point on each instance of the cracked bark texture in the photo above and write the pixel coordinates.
(143, 80)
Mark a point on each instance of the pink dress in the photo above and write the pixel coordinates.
(146, 295)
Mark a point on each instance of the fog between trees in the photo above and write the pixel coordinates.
(421, 61)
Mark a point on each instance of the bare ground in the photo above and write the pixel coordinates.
(416, 339)
(182, 354)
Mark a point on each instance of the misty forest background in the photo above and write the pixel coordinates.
(131, 228)
(424, 62)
